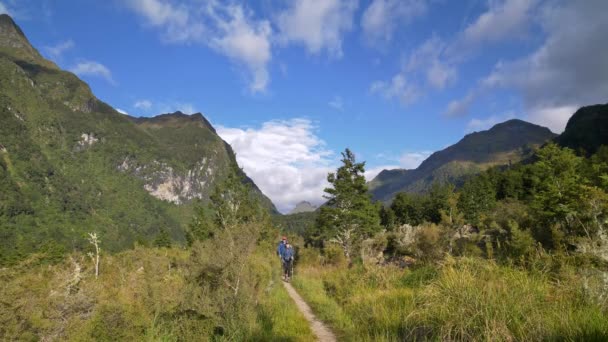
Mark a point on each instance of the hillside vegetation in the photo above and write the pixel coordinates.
(70, 163)
(517, 253)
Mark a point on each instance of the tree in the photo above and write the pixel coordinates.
(438, 202)
(231, 203)
(94, 240)
(477, 196)
(408, 209)
(349, 214)
(162, 239)
(387, 218)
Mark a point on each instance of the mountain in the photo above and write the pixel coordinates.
(505, 143)
(303, 207)
(71, 164)
(587, 129)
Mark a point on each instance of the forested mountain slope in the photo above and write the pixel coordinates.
(71, 164)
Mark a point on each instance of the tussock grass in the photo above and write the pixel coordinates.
(464, 299)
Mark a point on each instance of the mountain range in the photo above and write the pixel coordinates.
(71, 164)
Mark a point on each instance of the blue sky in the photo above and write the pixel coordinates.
(292, 83)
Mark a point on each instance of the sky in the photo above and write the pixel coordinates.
(291, 84)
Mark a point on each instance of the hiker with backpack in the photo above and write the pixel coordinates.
(287, 258)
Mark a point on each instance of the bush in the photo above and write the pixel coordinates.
(333, 255)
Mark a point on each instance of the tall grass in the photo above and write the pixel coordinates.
(465, 299)
(145, 294)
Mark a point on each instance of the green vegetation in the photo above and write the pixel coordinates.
(70, 163)
(226, 286)
(515, 253)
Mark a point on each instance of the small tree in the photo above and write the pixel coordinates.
(162, 239)
(349, 214)
(94, 240)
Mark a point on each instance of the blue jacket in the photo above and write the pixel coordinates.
(281, 249)
(288, 254)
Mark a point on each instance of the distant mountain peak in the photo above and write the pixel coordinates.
(502, 144)
(14, 42)
(303, 207)
(7, 24)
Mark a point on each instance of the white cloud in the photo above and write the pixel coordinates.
(476, 125)
(374, 171)
(555, 118)
(143, 104)
(383, 17)
(407, 160)
(504, 19)
(186, 108)
(92, 68)
(460, 107)
(55, 52)
(4, 9)
(398, 88)
(121, 111)
(411, 160)
(286, 159)
(428, 60)
(318, 25)
(246, 41)
(228, 29)
(175, 20)
(336, 103)
(568, 70)
(425, 69)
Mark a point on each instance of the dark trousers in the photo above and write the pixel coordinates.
(287, 267)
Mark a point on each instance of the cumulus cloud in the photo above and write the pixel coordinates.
(285, 158)
(143, 104)
(244, 40)
(382, 17)
(318, 25)
(56, 51)
(228, 29)
(121, 111)
(92, 68)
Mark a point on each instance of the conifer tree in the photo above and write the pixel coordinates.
(349, 214)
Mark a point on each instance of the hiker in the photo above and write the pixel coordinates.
(287, 257)
(281, 247)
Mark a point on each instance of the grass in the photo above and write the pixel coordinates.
(143, 294)
(466, 299)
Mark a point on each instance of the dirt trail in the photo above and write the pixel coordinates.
(319, 329)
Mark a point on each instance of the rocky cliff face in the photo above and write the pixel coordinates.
(166, 183)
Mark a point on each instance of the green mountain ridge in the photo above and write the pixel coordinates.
(586, 130)
(505, 143)
(71, 164)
